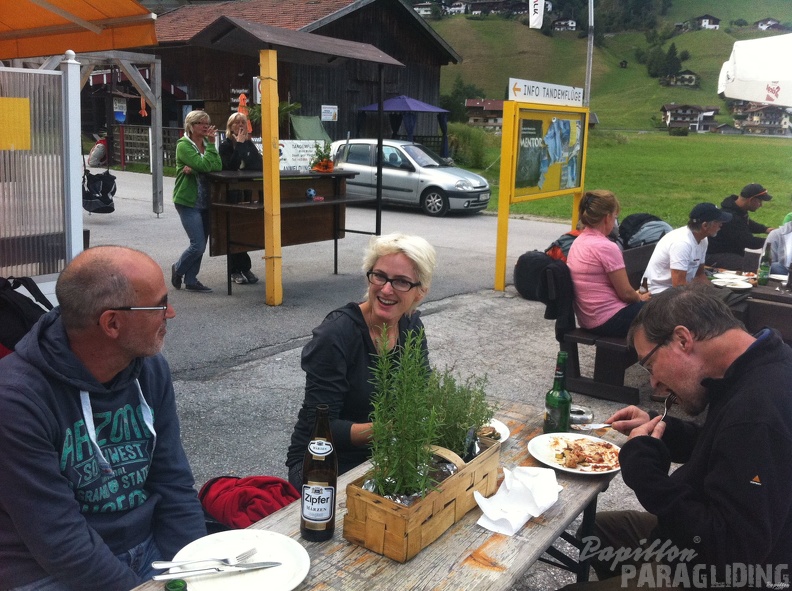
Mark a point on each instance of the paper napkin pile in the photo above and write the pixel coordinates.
(524, 493)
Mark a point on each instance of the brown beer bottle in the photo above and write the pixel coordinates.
(320, 474)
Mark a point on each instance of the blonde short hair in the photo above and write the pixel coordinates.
(232, 121)
(194, 117)
(418, 250)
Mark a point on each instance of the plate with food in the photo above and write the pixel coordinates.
(575, 453)
(269, 546)
(496, 430)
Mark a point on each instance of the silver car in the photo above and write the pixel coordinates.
(411, 175)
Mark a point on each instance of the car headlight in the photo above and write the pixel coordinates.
(464, 185)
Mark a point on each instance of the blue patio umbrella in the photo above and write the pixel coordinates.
(403, 109)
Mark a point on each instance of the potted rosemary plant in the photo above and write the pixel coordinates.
(413, 410)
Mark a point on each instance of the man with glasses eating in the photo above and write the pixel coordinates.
(94, 482)
(727, 511)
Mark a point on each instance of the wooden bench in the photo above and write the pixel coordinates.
(612, 355)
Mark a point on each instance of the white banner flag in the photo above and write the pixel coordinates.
(537, 13)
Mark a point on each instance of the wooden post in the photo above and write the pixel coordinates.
(268, 64)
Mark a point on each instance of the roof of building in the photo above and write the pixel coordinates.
(178, 26)
(485, 104)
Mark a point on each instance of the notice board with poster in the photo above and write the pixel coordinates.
(543, 155)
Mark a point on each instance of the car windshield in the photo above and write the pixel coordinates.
(423, 156)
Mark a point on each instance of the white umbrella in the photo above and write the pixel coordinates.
(759, 70)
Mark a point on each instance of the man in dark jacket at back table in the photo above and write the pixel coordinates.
(94, 482)
(727, 249)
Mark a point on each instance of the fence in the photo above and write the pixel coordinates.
(132, 144)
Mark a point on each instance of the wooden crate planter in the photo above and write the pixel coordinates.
(400, 532)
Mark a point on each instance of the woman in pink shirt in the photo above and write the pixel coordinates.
(605, 302)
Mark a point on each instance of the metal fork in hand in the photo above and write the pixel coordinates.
(231, 561)
(670, 399)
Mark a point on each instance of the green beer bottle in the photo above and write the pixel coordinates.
(557, 400)
(763, 276)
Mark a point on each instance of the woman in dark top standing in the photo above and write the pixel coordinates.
(238, 152)
(338, 358)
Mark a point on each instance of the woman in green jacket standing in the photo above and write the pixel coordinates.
(196, 154)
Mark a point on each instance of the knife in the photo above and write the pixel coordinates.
(237, 568)
(589, 426)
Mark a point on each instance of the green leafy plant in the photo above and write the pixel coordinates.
(321, 153)
(404, 419)
(461, 405)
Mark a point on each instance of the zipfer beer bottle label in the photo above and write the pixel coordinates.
(318, 501)
(320, 475)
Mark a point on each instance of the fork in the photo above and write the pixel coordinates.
(670, 399)
(230, 561)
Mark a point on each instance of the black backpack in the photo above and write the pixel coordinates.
(631, 224)
(18, 313)
(528, 274)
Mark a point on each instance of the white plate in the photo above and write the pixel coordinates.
(778, 277)
(501, 428)
(729, 276)
(270, 546)
(734, 284)
(541, 447)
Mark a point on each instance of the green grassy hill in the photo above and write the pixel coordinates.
(494, 49)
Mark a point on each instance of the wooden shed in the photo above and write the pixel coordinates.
(212, 79)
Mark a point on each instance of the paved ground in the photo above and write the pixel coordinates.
(236, 361)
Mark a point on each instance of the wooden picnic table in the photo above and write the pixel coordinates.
(467, 556)
(770, 305)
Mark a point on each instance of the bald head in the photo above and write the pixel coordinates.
(99, 278)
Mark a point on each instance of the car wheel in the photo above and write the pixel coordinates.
(434, 202)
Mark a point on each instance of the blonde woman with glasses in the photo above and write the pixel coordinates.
(196, 155)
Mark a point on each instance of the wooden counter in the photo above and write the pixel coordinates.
(239, 226)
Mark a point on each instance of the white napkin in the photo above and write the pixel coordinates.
(524, 493)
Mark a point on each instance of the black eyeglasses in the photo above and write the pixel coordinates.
(648, 356)
(135, 308)
(380, 280)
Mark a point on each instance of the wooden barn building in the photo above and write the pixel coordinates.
(203, 78)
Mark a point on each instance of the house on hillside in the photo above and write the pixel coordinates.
(707, 21)
(211, 80)
(683, 78)
(424, 8)
(485, 113)
(764, 120)
(458, 7)
(564, 24)
(726, 129)
(766, 23)
(693, 117)
(489, 6)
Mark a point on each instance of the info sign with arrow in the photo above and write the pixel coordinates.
(529, 91)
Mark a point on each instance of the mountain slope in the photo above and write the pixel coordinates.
(494, 49)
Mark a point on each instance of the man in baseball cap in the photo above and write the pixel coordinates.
(678, 258)
(727, 249)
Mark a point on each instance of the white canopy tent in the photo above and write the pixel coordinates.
(759, 70)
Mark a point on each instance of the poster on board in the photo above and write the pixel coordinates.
(548, 151)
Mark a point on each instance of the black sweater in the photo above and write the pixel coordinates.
(337, 362)
(731, 501)
(738, 234)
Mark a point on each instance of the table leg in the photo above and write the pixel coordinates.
(586, 529)
(228, 251)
